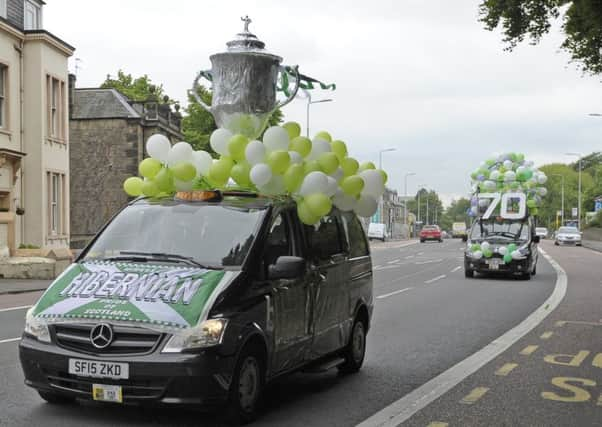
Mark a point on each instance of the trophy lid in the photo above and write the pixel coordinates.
(245, 40)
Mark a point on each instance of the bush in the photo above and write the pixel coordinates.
(28, 246)
(597, 221)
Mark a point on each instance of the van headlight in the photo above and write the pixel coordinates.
(36, 327)
(207, 334)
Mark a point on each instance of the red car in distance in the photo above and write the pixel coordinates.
(430, 232)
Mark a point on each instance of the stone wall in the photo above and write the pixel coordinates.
(593, 233)
(103, 153)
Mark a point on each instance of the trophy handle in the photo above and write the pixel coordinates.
(195, 84)
(292, 95)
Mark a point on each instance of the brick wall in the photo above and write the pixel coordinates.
(103, 153)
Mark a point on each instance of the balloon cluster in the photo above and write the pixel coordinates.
(484, 250)
(318, 173)
(508, 172)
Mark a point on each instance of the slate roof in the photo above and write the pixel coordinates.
(101, 104)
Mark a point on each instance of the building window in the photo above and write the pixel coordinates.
(3, 11)
(56, 200)
(55, 105)
(33, 15)
(3, 103)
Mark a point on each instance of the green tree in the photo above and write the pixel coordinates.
(520, 19)
(435, 207)
(456, 212)
(136, 89)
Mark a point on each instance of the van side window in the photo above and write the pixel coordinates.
(325, 239)
(354, 232)
(278, 241)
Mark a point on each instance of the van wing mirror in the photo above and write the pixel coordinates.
(536, 239)
(465, 238)
(287, 267)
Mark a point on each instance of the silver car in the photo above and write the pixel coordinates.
(542, 232)
(568, 236)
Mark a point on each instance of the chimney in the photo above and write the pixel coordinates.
(71, 94)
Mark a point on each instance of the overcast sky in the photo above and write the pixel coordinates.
(421, 76)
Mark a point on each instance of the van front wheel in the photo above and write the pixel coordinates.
(246, 387)
(355, 351)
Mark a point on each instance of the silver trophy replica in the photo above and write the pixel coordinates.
(244, 81)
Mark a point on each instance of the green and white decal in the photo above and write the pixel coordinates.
(146, 293)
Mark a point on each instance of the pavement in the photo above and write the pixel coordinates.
(17, 286)
(592, 244)
(427, 318)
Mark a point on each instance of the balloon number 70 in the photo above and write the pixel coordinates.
(506, 199)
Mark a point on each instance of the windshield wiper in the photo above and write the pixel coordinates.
(169, 258)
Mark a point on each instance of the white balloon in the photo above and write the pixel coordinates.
(338, 174)
(503, 250)
(318, 147)
(509, 176)
(489, 185)
(477, 254)
(332, 186)
(343, 201)
(508, 164)
(494, 176)
(275, 138)
(260, 174)
(485, 246)
(542, 178)
(255, 152)
(158, 146)
(180, 152)
(202, 161)
(314, 182)
(542, 191)
(366, 206)
(183, 185)
(219, 141)
(296, 158)
(373, 183)
(516, 254)
(274, 186)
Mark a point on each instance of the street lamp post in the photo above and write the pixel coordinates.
(579, 156)
(419, 191)
(309, 102)
(380, 166)
(561, 198)
(405, 194)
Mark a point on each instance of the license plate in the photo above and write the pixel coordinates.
(99, 369)
(494, 264)
(107, 393)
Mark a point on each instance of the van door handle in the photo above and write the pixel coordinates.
(336, 258)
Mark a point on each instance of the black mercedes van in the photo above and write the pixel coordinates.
(202, 299)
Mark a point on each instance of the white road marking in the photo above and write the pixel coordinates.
(377, 266)
(443, 276)
(393, 293)
(21, 307)
(404, 408)
(456, 269)
(387, 267)
(10, 340)
(430, 261)
(409, 256)
(420, 253)
(393, 261)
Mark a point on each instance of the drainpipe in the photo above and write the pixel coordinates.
(19, 49)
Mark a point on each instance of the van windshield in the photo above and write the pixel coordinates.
(500, 230)
(211, 235)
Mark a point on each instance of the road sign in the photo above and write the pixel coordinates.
(558, 213)
(574, 211)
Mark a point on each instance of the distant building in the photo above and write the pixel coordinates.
(108, 132)
(34, 133)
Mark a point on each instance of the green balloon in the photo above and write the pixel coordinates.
(511, 248)
(241, 174)
(490, 162)
(475, 247)
(301, 145)
(323, 135)
(474, 175)
(293, 129)
(520, 157)
(184, 171)
(219, 172)
(318, 204)
(507, 258)
(531, 203)
(528, 174)
(365, 166)
(352, 185)
(349, 166)
(293, 177)
(384, 175)
(339, 148)
(149, 168)
(487, 253)
(311, 166)
(150, 188)
(328, 162)
(164, 180)
(133, 186)
(534, 211)
(236, 147)
(305, 215)
(279, 161)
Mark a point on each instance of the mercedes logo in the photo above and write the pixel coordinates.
(101, 335)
